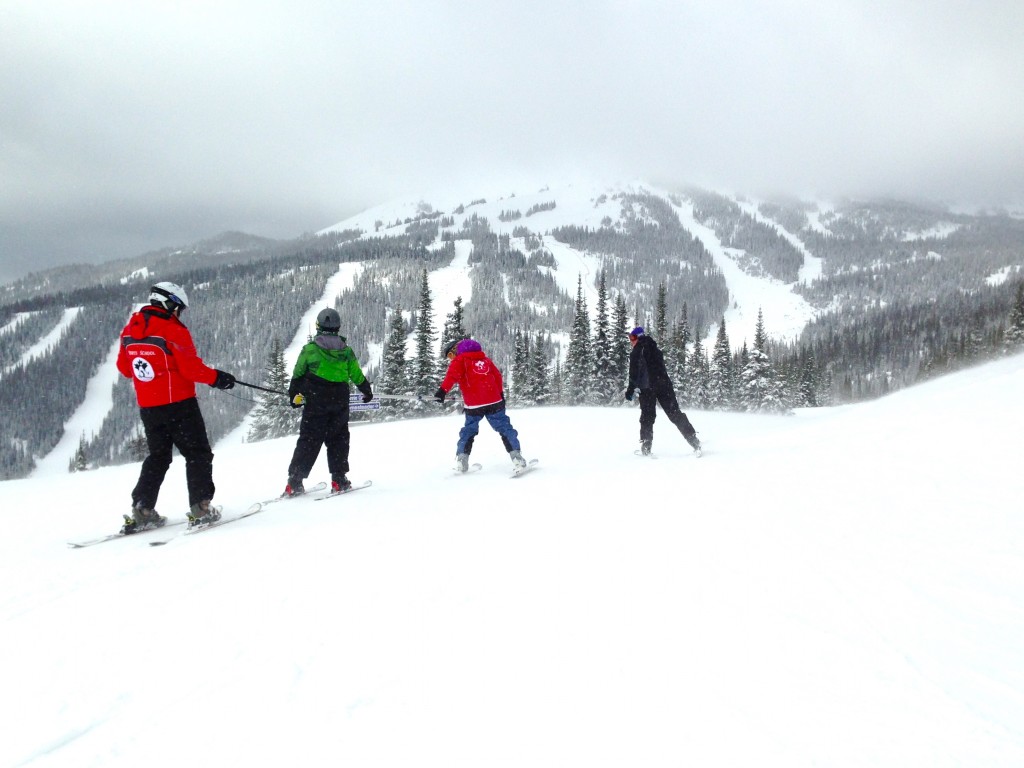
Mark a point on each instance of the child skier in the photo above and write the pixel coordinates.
(320, 382)
(481, 385)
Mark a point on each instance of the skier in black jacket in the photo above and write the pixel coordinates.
(647, 373)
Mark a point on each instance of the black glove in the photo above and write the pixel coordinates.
(439, 395)
(367, 391)
(224, 380)
(629, 394)
(298, 401)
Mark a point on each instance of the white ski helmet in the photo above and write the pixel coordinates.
(170, 296)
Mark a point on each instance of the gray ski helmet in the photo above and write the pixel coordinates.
(170, 296)
(328, 321)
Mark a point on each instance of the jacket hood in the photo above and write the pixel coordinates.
(137, 326)
(330, 341)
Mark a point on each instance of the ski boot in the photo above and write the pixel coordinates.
(294, 487)
(518, 462)
(340, 483)
(645, 447)
(695, 444)
(202, 513)
(462, 462)
(142, 519)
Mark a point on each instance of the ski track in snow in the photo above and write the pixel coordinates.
(48, 341)
(785, 313)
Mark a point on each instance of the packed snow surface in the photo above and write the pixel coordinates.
(842, 587)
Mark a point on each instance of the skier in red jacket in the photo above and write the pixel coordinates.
(157, 353)
(480, 382)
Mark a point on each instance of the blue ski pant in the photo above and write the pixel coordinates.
(499, 422)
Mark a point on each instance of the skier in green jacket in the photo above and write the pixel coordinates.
(320, 385)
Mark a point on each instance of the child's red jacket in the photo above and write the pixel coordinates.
(478, 377)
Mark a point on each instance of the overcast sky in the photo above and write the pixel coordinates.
(129, 126)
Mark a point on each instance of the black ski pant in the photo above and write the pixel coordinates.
(321, 425)
(667, 398)
(176, 425)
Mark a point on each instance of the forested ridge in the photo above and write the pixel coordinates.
(906, 291)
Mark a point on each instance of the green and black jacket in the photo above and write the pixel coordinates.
(324, 370)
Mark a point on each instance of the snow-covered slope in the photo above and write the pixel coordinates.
(843, 587)
(588, 205)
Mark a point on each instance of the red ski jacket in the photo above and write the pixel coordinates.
(158, 354)
(477, 376)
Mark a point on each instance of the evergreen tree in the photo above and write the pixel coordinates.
(454, 329)
(579, 360)
(606, 383)
(761, 388)
(675, 351)
(78, 462)
(393, 374)
(137, 448)
(539, 387)
(272, 417)
(620, 343)
(698, 381)
(424, 370)
(1014, 336)
(721, 385)
(661, 314)
(520, 367)
(557, 384)
(808, 391)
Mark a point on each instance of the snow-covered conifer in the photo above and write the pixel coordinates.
(424, 377)
(606, 383)
(272, 417)
(578, 361)
(1014, 336)
(721, 387)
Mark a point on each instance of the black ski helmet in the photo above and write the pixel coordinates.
(450, 347)
(328, 321)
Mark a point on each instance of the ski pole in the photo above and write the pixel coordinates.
(262, 389)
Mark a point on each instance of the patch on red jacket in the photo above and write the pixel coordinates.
(143, 370)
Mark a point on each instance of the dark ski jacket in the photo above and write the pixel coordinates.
(647, 366)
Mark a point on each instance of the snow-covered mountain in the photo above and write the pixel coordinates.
(872, 296)
(594, 205)
(855, 600)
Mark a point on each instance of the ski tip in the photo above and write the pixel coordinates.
(157, 543)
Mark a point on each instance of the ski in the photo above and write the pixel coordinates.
(119, 535)
(643, 455)
(224, 520)
(353, 489)
(520, 471)
(472, 468)
(284, 497)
